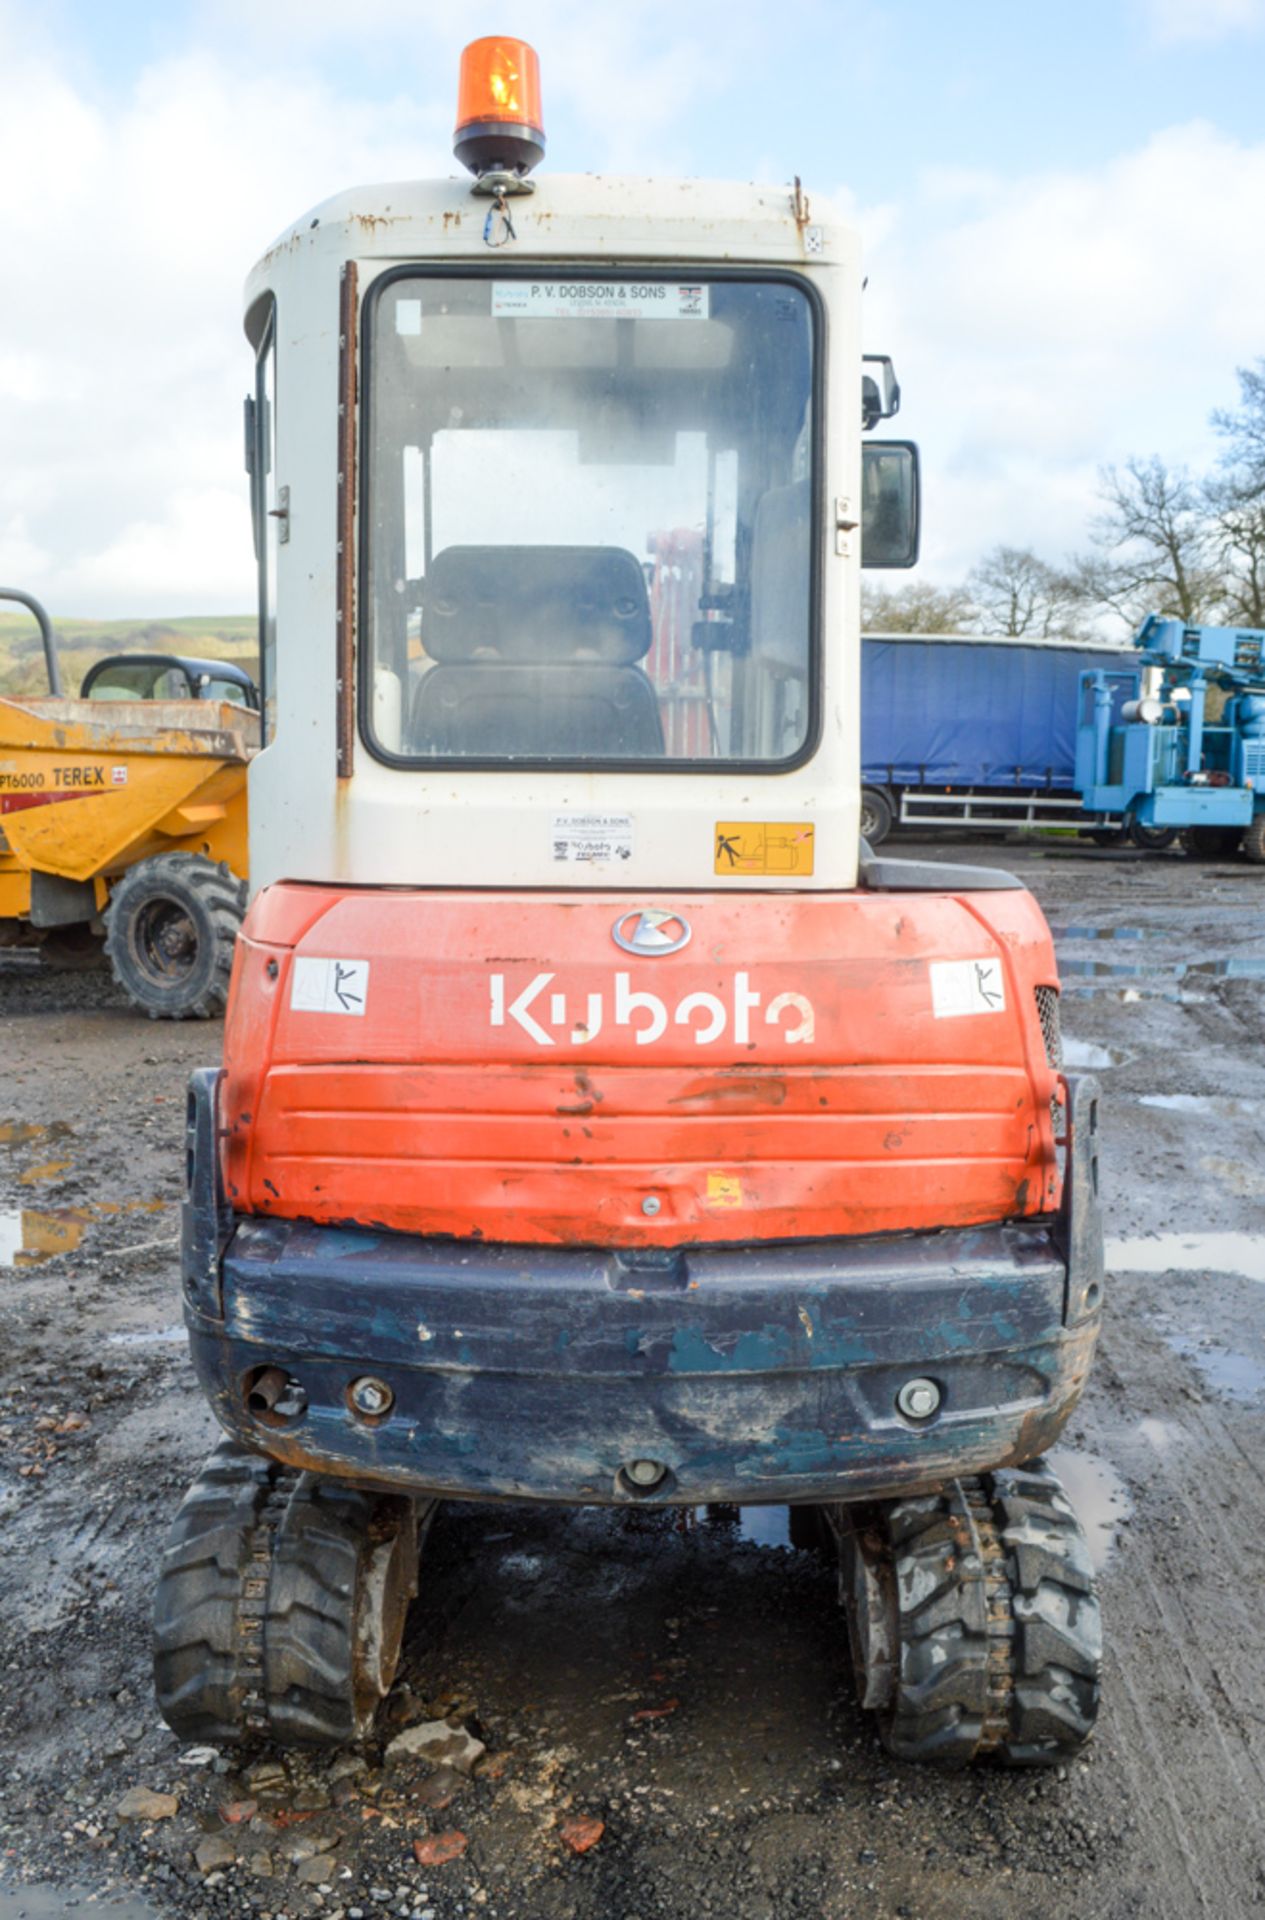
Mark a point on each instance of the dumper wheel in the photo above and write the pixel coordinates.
(1109, 836)
(170, 928)
(1151, 839)
(1210, 843)
(281, 1604)
(975, 1622)
(1254, 839)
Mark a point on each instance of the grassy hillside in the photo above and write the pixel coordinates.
(81, 642)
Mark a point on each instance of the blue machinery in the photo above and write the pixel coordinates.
(1191, 754)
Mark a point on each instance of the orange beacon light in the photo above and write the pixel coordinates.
(500, 129)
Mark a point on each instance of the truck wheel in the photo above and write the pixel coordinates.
(1109, 836)
(989, 1623)
(1254, 839)
(170, 928)
(281, 1603)
(1210, 843)
(1152, 839)
(876, 815)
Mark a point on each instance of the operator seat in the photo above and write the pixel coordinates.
(535, 653)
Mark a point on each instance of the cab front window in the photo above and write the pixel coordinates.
(588, 513)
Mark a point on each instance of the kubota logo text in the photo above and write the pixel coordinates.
(580, 1018)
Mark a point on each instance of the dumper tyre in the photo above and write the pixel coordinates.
(998, 1629)
(1151, 839)
(1254, 839)
(876, 816)
(1211, 843)
(281, 1604)
(1109, 836)
(170, 930)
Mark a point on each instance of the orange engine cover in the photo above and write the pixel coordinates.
(498, 1067)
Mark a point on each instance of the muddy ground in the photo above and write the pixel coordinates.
(683, 1683)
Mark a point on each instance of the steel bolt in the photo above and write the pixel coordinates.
(918, 1399)
(370, 1396)
(651, 1203)
(645, 1473)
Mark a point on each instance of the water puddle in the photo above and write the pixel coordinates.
(762, 1526)
(1111, 933)
(1159, 979)
(1236, 1375)
(149, 1337)
(1113, 970)
(54, 1903)
(1223, 1105)
(1157, 987)
(765, 1526)
(46, 1170)
(1088, 1057)
(23, 1133)
(1242, 1253)
(1236, 966)
(29, 1236)
(1099, 1496)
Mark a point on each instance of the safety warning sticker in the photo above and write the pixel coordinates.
(592, 836)
(594, 299)
(329, 986)
(764, 846)
(967, 986)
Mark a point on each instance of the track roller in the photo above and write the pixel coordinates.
(281, 1603)
(973, 1620)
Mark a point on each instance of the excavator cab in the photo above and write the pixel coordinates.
(599, 1121)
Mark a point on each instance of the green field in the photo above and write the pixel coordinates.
(229, 636)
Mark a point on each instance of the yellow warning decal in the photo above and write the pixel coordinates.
(764, 846)
(724, 1190)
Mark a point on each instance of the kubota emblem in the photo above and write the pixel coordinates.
(650, 933)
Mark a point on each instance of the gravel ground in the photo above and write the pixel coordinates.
(678, 1688)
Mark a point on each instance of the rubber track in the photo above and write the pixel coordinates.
(1001, 1638)
(211, 1597)
(310, 1646)
(223, 899)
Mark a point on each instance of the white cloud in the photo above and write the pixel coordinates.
(135, 219)
(1174, 22)
(1052, 323)
(122, 363)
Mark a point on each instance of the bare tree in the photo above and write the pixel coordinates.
(1015, 592)
(1236, 500)
(1244, 428)
(1154, 545)
(917, 607)
(1238, 512)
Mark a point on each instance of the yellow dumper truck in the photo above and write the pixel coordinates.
(123, 815)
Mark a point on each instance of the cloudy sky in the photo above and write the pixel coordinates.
(1061, 206)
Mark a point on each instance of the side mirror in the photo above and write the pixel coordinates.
(890, 503)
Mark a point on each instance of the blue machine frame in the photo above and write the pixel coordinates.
(1158, 759)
